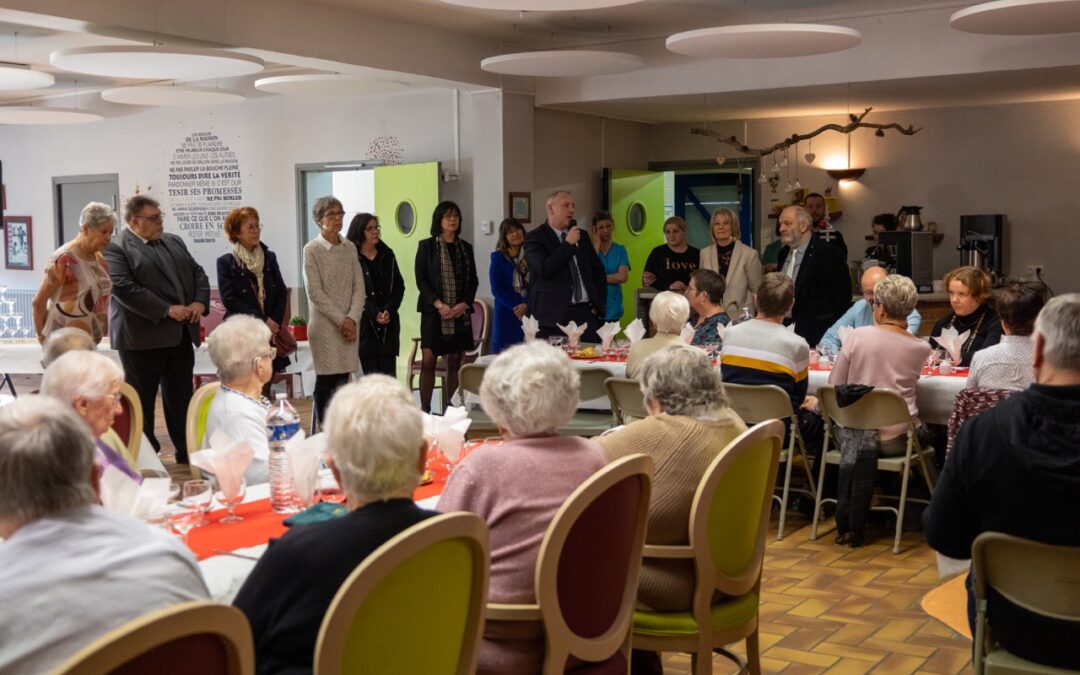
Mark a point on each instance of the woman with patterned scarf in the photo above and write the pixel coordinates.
(446, 279)
(249, 278)
(509, 276)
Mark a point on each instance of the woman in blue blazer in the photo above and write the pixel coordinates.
(509, 276)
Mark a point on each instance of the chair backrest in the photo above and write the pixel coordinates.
(197, 412)
(481, 328)
(216, 315)
(968, 403)
(129, 423)
(587, 568)
(730, 514)
(627, 401)
(169, 641)
(1041, 578)
(470, 376)
(876, 409)
(415, 605)
(592, 383)
(759, 402)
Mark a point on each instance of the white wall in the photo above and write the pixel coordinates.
(1020, 160)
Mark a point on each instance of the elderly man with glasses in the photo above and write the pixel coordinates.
(159, 294)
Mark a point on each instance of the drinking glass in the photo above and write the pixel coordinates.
(200, 494)
(556, 341)
(230, 502)
(183, 517)
(328, 488)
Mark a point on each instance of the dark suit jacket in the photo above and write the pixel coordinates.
(427, 277)
(142, 293)
(550, 290)
(822, 289)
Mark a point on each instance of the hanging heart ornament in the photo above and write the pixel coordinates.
(809, 157)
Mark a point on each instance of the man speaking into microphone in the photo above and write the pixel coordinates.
(568, 281)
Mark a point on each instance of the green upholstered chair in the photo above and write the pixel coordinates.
(759, 402)
(1040, 579)
(197, 411)
(728, 522)
(415, 605)
(627, 401)
(587, 571)
(206, 637)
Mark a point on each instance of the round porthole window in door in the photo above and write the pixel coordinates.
(405, 217)
(635, 217)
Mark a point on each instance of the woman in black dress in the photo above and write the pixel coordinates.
(969, 296)
(446, 279)
(380, 325)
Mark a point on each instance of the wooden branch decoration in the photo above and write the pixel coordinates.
(856, 123)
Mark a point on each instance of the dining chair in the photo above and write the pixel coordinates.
(627, 401)
(759, 402)
(415, 605)
(590, 423)
(481, 325)
(969, 402)
(197, 412)
(480, 423)
(729, 518)
(876, 409)
(128, 425)
(204, 637)
(1040, 578)
(586, 575)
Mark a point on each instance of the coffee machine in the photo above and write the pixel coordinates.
(913, 253)
(982, 243)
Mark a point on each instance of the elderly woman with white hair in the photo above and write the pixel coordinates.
(240, 349)
(291, 587)
(886, 355)
(90, 383)
(669, 312)
(75, 290)
(689, 423)
(529, 390)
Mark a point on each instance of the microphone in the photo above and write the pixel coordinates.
(573, 223)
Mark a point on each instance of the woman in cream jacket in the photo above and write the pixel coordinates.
(735, 261)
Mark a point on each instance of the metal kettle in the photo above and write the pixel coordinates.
(912, 219)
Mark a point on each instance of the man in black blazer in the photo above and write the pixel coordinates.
(159, 294)
(822, 284)
(567, 278)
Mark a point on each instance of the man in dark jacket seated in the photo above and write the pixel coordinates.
(1016, 469)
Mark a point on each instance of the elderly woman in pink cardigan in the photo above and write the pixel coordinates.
(530, 390)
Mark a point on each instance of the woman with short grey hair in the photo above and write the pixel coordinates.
(896, 295)
(689, 424)
(669, 312)
(75, 290)
(240, 349)
(529, 390)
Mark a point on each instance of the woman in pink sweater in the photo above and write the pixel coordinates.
(529, 390)
(886, 355)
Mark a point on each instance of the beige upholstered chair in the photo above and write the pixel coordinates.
(627, 401)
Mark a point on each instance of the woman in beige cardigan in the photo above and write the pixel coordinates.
(735, 261)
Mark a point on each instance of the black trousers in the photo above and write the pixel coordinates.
(325, 386)
(170, 368)
(379, 363)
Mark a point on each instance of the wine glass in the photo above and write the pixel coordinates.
(328, 488)
(556, 341)
(183, 517)
(200, 494)
(230, 502)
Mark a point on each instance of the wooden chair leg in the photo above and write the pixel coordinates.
(753, 653)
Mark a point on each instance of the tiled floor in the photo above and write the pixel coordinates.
(827, 608)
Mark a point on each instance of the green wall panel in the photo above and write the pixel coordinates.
(627, 188)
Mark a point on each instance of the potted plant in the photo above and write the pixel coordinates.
(298, 328)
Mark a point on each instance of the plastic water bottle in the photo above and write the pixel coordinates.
(281, 423)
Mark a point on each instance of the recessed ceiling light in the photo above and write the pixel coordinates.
(167, 95)
(764, 40)
(329, 84)
(1019, 17)
(562, 63)
(156, 63)
(14, 76)
(540, 5)
(19, 114)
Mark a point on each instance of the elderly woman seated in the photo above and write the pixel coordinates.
(706, 297)
(63, 340)
(886, 355)
(90, 383)
(1007, 365)
(529, 390)
(669, 312)
(240, 348)
(290, 589)
(689, 423)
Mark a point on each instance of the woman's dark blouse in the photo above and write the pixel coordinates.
(987, 334)
(385, 289)
(237, 287)
(669, 266)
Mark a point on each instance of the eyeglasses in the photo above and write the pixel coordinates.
(269, 354)
(334, 214)
(153, 219)
(373, 228)
(116, 399)
(868, 295)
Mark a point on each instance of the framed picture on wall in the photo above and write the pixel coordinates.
(521, 206)
(18, 243)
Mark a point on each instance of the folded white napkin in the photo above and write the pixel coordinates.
(635, 331)
(952, 342)
(607, 333)
(304, 454)
(530, 327)
(791, 327)
(120, 494)
(448, 431)
(687, 333)
(844, 333)
(225, 574)
(573, 333)
(227, 460)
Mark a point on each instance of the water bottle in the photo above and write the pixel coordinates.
(281, 423)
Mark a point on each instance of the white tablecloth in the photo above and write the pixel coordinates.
(616, 368)
(934, 396)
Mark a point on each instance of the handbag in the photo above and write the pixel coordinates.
(283, 340)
